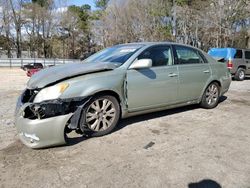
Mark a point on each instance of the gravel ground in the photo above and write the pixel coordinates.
(184, 147)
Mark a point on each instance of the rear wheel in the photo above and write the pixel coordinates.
(210, 98)
(102, 115)
(240, 74)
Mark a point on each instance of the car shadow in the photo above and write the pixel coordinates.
(154, 115)
(246, 78)
(131, 120)
(206, 183)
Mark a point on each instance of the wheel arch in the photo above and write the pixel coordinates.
(242, 66)
(208, 83)
(108, 92)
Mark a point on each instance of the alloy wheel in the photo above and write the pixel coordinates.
(100, 115)
(212, 94)
(241, 74)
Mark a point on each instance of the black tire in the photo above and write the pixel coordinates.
(240, 74)
(114, 121)
(207, 95)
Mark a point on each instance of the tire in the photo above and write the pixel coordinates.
(211, 95)
(101, 115)
(240, 74)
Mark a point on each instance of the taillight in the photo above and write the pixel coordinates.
(229, 64)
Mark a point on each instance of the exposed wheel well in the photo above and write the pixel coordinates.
(242, 66)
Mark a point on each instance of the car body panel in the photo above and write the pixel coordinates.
(40, 133)
(162, 86)
(102, 81)
(192, 79)
(57, 73)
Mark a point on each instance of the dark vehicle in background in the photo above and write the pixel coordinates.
(32, 66)
(238, 60)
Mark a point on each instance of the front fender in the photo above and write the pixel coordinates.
(87, 86)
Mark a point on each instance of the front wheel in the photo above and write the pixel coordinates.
(102, 115)
(210, 98)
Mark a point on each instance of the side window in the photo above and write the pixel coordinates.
(187, 55)
(247, 54)
(160, 55)
(238, 54)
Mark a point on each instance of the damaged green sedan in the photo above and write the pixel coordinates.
(121, 81)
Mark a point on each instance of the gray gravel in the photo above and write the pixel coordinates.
(173, 148)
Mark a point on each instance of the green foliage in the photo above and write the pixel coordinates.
(167, 32)
(101, 4)
(83, 14)
(42, 3)
(183, 2)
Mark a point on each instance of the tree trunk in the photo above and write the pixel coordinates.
(18, 42)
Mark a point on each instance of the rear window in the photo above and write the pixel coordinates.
(238, 54)
(247, 54)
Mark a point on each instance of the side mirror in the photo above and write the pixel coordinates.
(141, 64)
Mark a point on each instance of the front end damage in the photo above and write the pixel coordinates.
(45, 124)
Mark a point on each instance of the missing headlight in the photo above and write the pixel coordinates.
(52, 108)
(28, 95)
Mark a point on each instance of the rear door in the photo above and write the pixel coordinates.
(194, 72)
(247, 60)
(156, 86)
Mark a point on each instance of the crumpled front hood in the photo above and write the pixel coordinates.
(53, 74)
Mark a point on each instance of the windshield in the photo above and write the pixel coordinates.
(116, 54)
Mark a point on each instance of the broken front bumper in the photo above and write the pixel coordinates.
(40, 133)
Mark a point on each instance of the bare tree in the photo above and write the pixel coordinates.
(134, 20)
(6, 25)
(16, 8)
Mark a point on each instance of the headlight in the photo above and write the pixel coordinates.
(50, 93)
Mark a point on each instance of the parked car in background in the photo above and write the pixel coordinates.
(30, 72)
(238, 60)
(32, 66)
(118, 82)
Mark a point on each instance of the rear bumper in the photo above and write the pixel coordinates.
(225, 84)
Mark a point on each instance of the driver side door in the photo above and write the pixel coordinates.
(155, 86)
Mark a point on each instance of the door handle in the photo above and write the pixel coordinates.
(172, 75)
(206, 71)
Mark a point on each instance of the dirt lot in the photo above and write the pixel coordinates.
(188, 145)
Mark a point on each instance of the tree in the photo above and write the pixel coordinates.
(134, 20)
(101, 4)
(76, 25)
(16, 8)
(6, 27)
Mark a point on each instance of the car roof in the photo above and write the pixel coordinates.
(157, 43)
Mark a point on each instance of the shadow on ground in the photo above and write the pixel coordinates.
(207, 183)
